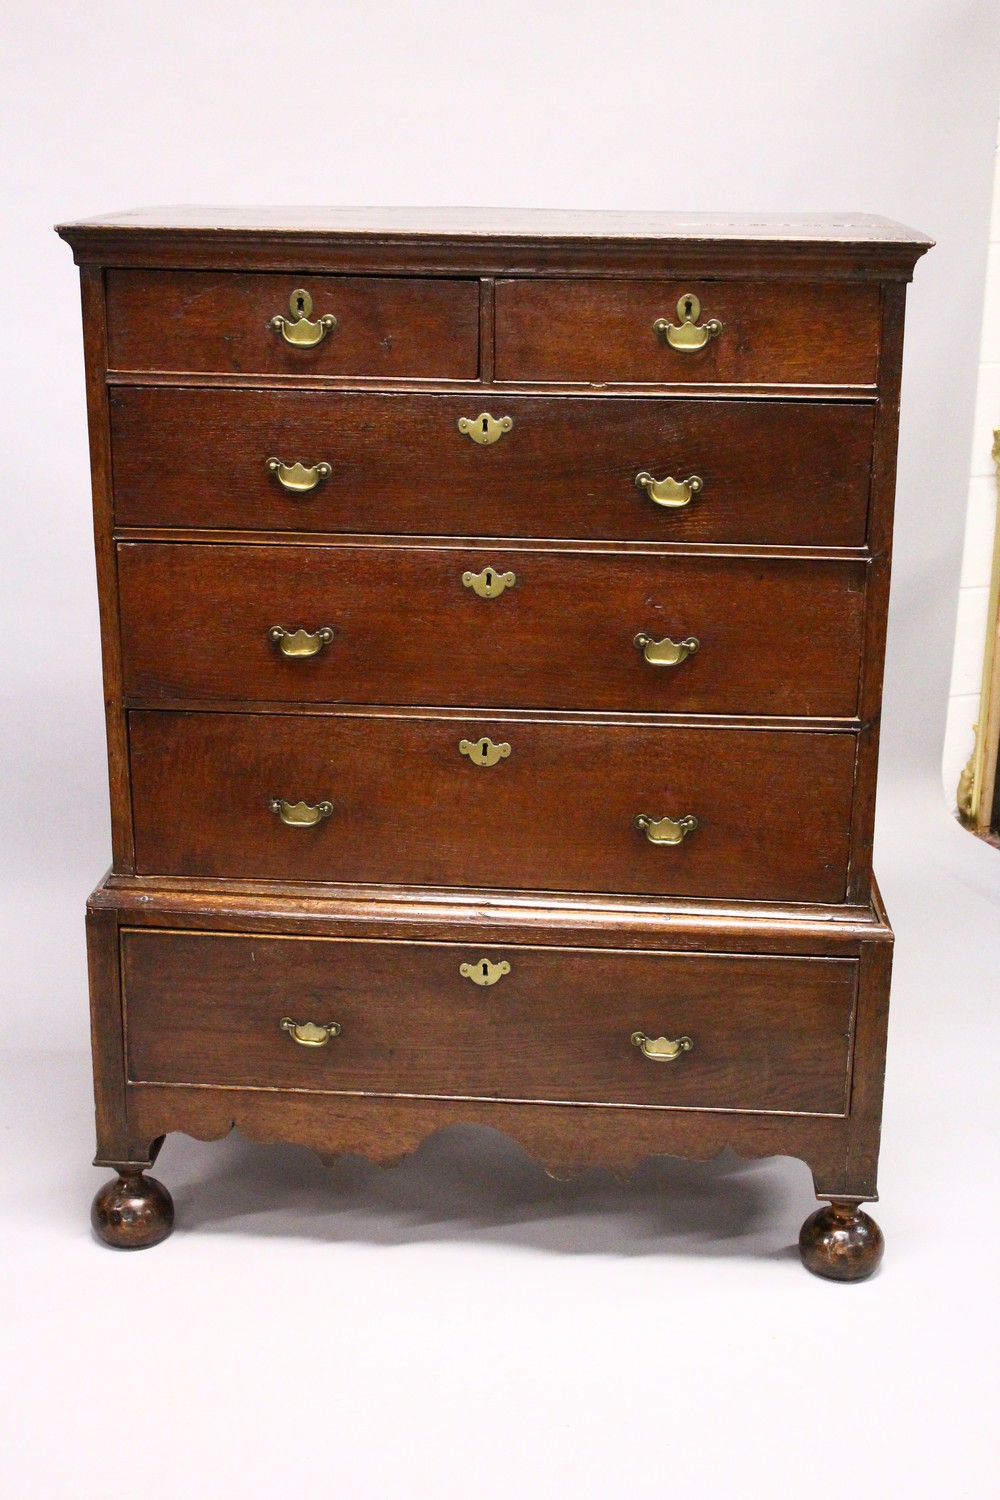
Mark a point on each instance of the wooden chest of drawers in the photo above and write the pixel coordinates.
(493, 612)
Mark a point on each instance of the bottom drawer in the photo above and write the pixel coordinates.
(548, 1025)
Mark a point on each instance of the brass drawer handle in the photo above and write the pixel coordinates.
(483, 972)
(300, 814)
(671, 494)
(688, 335)
(300, 329)
(666, 653)
(308, 1034)
(661, 1048)
(665, 830)
(298, 478)
(300, 642)
(489, 584)
(485, 429)
(483, 752)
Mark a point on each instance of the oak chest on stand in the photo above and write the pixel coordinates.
(493, 611)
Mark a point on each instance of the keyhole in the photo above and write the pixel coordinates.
(489, 580)
(300, 304)
(486, 969)
(484, 750)
(486, 424)
(687, 307)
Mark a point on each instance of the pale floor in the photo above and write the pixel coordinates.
(464, 1327)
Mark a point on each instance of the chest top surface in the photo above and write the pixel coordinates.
(491, 239)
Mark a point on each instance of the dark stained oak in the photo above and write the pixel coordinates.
(775, 637)
(767, 1033)
(792, 333)
(841, 1243)
(132, 1212)
(189, 320)
(451, 914)
(479, 227)
(556, 814)
(499, 241)
(95, 357)
(775, 473)
(565, 1137)
(760, 936)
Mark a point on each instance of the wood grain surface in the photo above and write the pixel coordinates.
(767, 1033)
(189, 320)
(792, 332)
(759, 935)
(775, 473)
(556, 814)
(776, 637)
(498, 241)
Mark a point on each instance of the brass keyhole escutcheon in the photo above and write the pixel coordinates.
(688, 335)
(483, 752)
(490, 583)
(485, 429)
(483, 972)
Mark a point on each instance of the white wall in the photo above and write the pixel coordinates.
(462, 1327)
(977, 553)
(707, 104)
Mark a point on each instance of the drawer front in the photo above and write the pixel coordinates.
(781, 473)
(768, 1034)
(772, 636)
(555, 811)
(772, 333)
(218, 323)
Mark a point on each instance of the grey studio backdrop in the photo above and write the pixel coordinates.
(463, 1326)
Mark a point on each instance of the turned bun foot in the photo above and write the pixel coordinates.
(841, 1242)
(132, 1212)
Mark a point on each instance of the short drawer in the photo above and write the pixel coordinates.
(554, 1025)
(409, 625)
(767, 472)
(755, 333)
(217, 323)
(493, 801)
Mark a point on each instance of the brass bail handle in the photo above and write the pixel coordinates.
(307, 1033)
(298, 478)
(300, 814)
(666, 830)
(688, 335)
(661, 1048)
(670, 493)
(300, 642)
(665, 653)
(301, 330)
